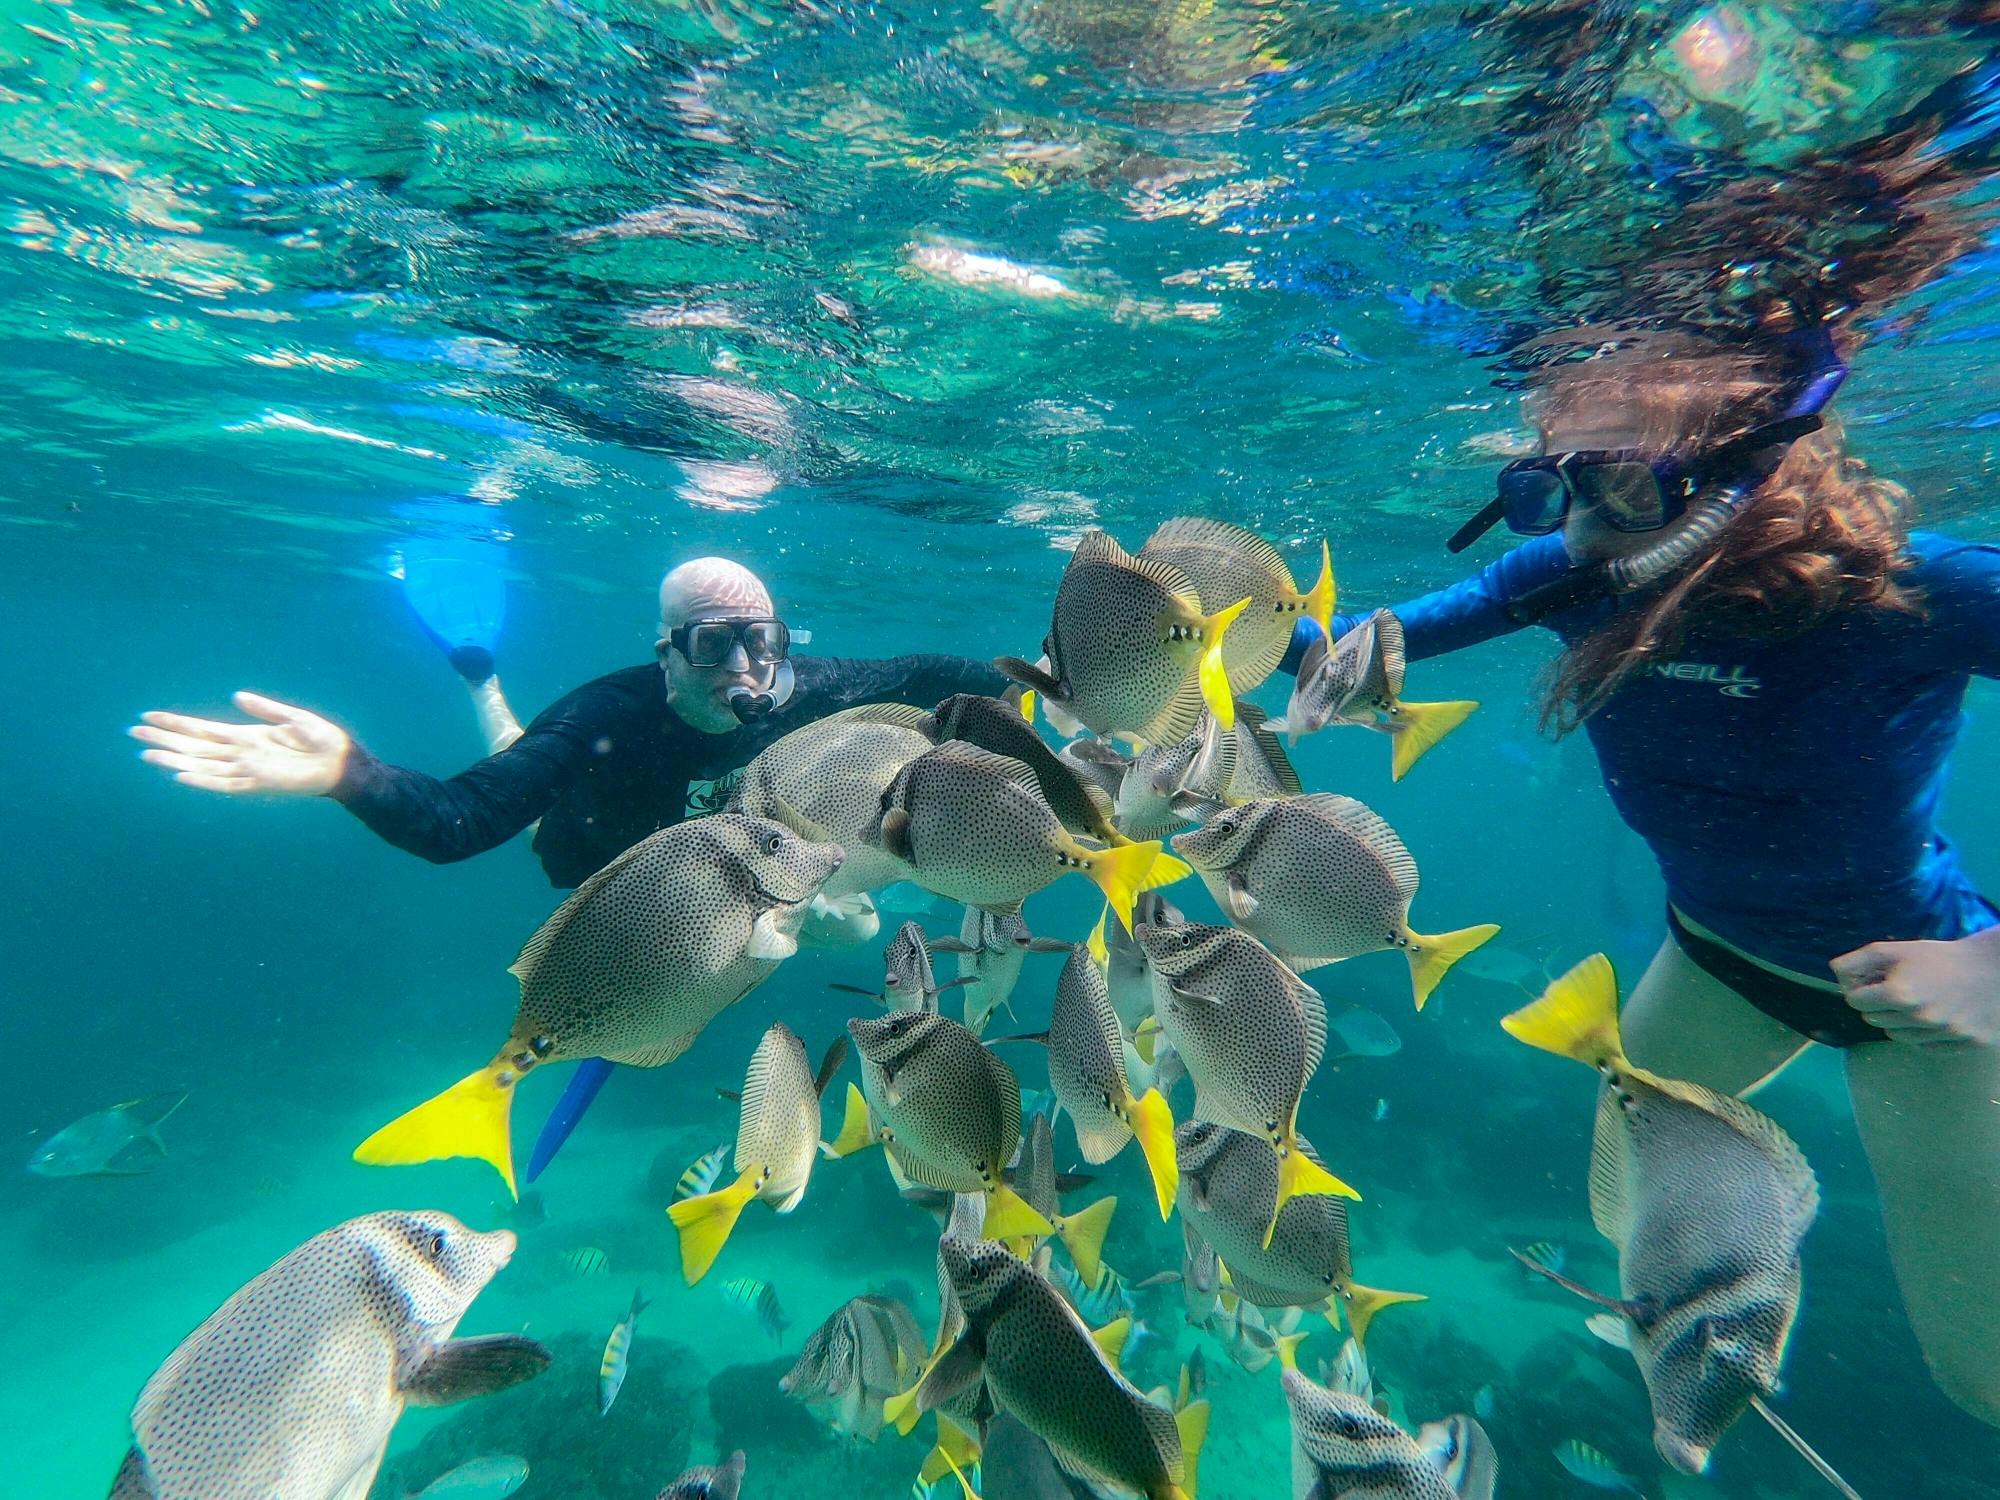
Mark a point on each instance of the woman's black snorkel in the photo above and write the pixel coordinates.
(1730, 476)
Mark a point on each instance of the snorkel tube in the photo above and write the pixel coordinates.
(1716, 507)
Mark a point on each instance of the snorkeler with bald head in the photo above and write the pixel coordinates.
(604, 766)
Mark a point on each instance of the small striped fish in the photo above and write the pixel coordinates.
(617, 1349)
(761, 1298)
(1592, 1467)
(587, 1260)
(1550, 1255)
(1100, 1302)
(701, 1177)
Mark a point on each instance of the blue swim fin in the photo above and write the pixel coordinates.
(569, 1111)
(460, 595)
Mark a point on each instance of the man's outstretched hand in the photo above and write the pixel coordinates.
(291, 751)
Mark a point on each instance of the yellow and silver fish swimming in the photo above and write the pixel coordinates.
(631, 967)
(1229, 1180)
(974, 826)
(760, 1299)
(1707, 1201)
(831, 774)
(1320, 878)
(1359, 680)
(1087, 1071)
(869, 1349)
(1130, 650)
(1040, 1362)
(1344, 1449)
(1250, 1032)
(290, 1389)
(617, 1354)
(777, 1142)
(1082, 1233)
(1225, 563)
(996, 725)
(702, 1173)
(947, 1111)
(991, 949)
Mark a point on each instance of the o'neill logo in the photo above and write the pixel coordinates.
(1733, 682)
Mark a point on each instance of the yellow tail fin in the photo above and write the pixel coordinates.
(1146, 1040)
(1083, 1235)
(1577, 1016)
(1010, 1216)
(1100, 952)
(900, 1410)
(1363, 1302)
(957, 1472)
(855, 1134)
(1166, 870)
(705, 1223)
(1319, 600)
(468, 1119)
(1299, 1176)
(1288, 1349)
(1214, 677)
(1153, 1123)
(1028, 705)
(1192, 1421)
(1418, 726)
(1110, 1339)
(1121, 874)
(1432, 957)
(956, 1450)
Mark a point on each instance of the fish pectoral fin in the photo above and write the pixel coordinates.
(465, 1368)
(136, 1157)
(895, 836)
(955, 1371)
(1610, 1304)
(1029, 676)
(767, 940)
(1242, 905)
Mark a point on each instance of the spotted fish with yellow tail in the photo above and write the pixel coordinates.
(1225, 562)
(638, 960)
(1318, 879)
(974, 826)
(1250, 1032)
(777, 1142)
(869, 1349)
(1041, 1364)
(1707, 1201)
(1130, 650)
(947, 1111)
(1082, 1232)
(1344, 1449)
(1228, 1181)
(1359, 680)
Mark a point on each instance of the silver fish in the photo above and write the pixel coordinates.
(723, 1481)
(909, 982)
(1226, 563)
(1126, 972)
(1707, 1201)
(1359, 680)
(1356, 900)
(617, 1355)
(991, 950)
(1344, 1449)
(290, 1390)
(632, 967)
(1170, 783)
(490, 1478)
(1130, 649)
(122, 1141)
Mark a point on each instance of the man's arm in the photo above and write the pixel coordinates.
(924, 678)
(479, 809)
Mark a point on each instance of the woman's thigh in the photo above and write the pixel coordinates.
(1680, 1021)
(1930, 1120)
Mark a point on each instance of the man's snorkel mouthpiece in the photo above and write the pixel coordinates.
(750, 706)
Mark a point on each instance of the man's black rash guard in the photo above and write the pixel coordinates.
(611, 763)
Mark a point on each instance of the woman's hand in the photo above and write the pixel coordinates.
(1927, 993)
(291, 751)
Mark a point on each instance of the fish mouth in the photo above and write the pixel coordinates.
(1686, 1456)
(505, 1243)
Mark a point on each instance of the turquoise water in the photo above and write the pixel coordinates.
(890, 301)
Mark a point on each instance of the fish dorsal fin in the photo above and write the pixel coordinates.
(829, 1064)
(990, 762)
(1252, 721)
(901, 715)
(1389, 649)
(758, 1080)
(1610, 1171)
(1368, 828)
(1204, 531)
(654, 1054)
(1155, 569)
(1767, 1135)
(147, 1113)
(1312, 1010)
(550, 932)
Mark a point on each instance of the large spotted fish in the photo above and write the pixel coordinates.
(1344, 1449)
(1225, 563)
(1228, 1181)
(1707, 1201)
(290, 1389)
(1250, 1032)
(993, 724)
(1359, 680)
(723, 1481)
(1040, 1363)
(777, 1142)
(1130, 650)
(631, 967)
(1087, 1071)
(974, 826)
(1320, 878)
(869, 1349)
(947, 1111)
(831, 774)
(991, 949)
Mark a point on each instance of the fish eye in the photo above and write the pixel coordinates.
(1225, 826)
(433, 1245)
(1348, 1426)
(773, 843)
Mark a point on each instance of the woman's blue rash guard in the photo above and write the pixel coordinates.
(1789, 789)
